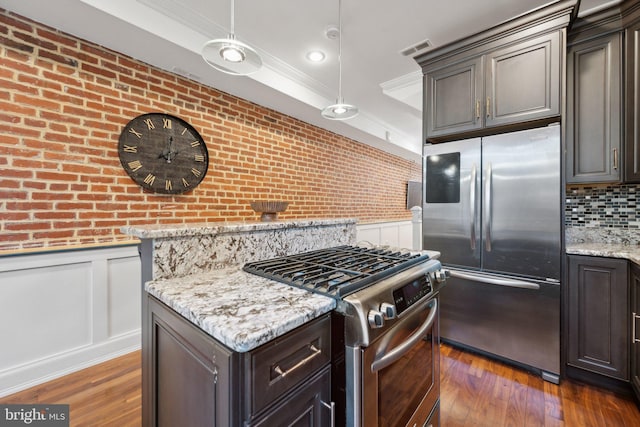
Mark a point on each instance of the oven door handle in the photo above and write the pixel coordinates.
(399, 351)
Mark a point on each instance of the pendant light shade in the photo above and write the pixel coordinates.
(230, 55)
(340, 110)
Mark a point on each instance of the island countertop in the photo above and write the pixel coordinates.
(239, 309)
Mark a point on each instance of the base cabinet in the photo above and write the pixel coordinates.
(196, 381)
(635, 329)
(598, 326)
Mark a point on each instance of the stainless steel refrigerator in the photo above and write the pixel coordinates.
(492, 207)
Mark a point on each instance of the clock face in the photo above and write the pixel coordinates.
(163, 153)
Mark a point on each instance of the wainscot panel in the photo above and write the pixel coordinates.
(63, 311)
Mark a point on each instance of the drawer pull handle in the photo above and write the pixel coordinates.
(634, 318)
(615, 159)
(314, 352)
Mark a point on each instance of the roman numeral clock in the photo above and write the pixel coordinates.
(163, 153)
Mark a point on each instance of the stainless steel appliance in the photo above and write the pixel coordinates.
(492, 207)
(387, 367)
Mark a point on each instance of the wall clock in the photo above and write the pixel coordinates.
(163, 153)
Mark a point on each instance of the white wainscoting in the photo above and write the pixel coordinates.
(63, 311)
(397, 234)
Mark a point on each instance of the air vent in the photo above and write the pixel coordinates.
(412, 50)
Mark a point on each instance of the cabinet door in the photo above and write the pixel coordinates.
(594, 121)
(308, 406)
(523, 81)
(632, 138)
(598, 315)
(191, 374)
(635, 336)
(453, 98)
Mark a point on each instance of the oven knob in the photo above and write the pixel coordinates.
(388, 310)
(442, 275)
(376, 319)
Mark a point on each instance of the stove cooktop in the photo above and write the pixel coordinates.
(337, 271)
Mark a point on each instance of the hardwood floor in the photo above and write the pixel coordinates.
(104, 395)
(475, 391)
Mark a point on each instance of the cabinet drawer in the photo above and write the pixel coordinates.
(282, 364)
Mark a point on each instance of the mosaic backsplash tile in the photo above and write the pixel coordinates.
(603, 206)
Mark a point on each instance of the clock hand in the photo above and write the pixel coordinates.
(169, 153)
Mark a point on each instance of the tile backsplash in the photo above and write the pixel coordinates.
(603, 206)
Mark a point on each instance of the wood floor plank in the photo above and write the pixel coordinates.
(474, 391)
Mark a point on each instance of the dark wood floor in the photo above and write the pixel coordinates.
(475, 391)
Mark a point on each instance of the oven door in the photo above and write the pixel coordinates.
(401, 370)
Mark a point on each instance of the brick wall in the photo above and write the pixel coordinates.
(64, 102)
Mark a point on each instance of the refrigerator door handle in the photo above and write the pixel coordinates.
(513, 283)
(472, 203)
(488, 213)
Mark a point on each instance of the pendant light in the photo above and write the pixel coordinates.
(230, 55)
(340, 110)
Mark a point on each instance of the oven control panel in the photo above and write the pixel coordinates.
(409, 294)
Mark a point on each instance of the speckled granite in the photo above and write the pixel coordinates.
(182, 250)
(214, 228)
(622, 236)
(240, 310)
(605, 242)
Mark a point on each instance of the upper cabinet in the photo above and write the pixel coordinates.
(516, 84)
(594, 110)
(509, 75)
(603, 107)
(632, 108)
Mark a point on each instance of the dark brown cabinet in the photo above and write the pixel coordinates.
(594, 109)
(488, 90)
(510, 75)
(195, 380)
(453, 95)
(632, 106)
(603, 142)
(598, 315)
(635, 329)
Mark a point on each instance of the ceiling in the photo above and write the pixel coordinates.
(385, 84)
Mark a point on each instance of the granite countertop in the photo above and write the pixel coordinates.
(605, 242)
(239, 309)
(611, 250)
(182, 230)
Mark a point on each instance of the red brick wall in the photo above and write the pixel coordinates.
(64, 102)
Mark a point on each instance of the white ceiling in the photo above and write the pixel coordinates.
(383, 83)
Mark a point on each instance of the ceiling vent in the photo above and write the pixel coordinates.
(412, 50)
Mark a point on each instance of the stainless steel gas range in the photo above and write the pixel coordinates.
(386, 368)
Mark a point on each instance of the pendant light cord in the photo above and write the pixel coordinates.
(233, 7)
(340, 51)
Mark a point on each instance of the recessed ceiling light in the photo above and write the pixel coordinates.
(315, 56)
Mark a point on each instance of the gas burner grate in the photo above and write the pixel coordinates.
(337, 271)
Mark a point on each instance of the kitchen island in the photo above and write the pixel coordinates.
(221, 344)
